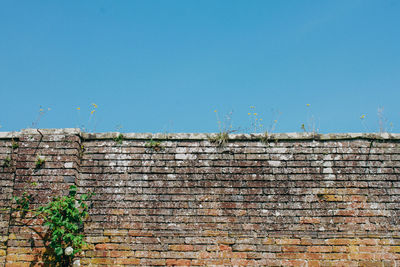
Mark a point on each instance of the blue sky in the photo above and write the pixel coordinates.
(166, 66)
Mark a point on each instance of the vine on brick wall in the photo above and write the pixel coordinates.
(64, 216)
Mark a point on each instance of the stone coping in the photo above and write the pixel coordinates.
(201, 136)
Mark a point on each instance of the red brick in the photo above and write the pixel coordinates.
(130, 261)
(293, 248)
(181, 247)
(295, 263)
(107, 246)
(307, 220)
(319, 249)
(314, 264)
(225, 247)
(287, 241)
(180, 262)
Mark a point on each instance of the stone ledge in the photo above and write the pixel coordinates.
(203, 136)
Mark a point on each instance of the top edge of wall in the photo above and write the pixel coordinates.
(202, 136)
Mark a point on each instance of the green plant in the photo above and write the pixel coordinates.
(119, 139)
(14, 144)
(383, 121)
(82, 150)
(64, 216)
(91, 124)
(155, 145)
(39, 162)
(220, 139)
(7, 162)
(42, 112)
(226, 124)
(265, 138)
(311, 125)
(23, 202)
(383, 125)
(362, 118)
(225, 128)
(255, 122)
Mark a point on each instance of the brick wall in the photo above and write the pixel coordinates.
(296, 200)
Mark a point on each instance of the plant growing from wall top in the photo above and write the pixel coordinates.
(311, 125)
(154, 145)
(90, 125)
(64, 217)
(225, 128)
(119, 139)
(220, 139)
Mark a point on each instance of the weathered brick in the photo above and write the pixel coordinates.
(130, 261)
(287, 241)
(291, 202)
(181, 247)
(319, 249)
(179, 262)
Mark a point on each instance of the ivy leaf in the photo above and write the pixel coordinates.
(58, 251)
(72, 190)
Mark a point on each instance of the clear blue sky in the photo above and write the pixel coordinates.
(165, 66)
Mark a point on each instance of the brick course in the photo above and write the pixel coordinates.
(297, 200)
